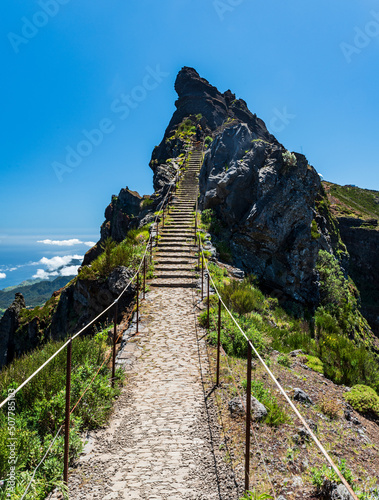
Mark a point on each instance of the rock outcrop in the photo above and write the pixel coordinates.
(264, 196)
(362, 242)
(82, 302)
(9, 324)
(65, 313)
(125, 212)
(268, 207)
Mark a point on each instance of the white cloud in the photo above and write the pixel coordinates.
(67, 243)
(13, 268)
(44, 275)
(2, 276)
(320, 175)
(56, 262)
(61, 243)
(69, 271)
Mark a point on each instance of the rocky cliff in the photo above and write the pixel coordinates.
(266, 199)
(357, 212)
(68, 310)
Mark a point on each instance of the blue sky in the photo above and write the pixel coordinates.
(64, 70)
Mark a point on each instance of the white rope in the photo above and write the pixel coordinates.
(319, 445)
(43, 459)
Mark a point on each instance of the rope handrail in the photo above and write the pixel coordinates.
(283, 392)
(160, 205)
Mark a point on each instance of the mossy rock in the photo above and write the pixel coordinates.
(315, 364)
(363, 399)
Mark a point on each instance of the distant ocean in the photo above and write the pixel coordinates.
(23, 258)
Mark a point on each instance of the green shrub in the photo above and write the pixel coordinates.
(146, 203)
(40, 409)
(315, 364)
(127, 253)
(224, 251)
(276, 415)
(363, 399)
(210, 221)
(320, 474)
(284, 360)
(208, 141)
(242, 297)
(346, 363)
(255, 495)
(314, 230)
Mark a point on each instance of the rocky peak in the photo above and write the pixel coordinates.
(196, 96)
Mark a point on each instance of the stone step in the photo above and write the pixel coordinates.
(171, 255)
(168, 268)
(166, 260)
(175, 249)
(158, 283)
(174, 276)
(176, 244)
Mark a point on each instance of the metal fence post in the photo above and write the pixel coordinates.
(114, 344)
(208, 300)
(137, 302)
(163, 217)
(144, 276)
(202, 276)
(248, 417)
(198, 255)
(67, 420)
(151, 247)
(218, 342)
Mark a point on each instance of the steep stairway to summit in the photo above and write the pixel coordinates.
(174, 257)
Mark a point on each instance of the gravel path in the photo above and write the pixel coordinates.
(162, 441)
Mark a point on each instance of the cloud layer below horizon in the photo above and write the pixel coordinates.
(67, 243)
(58, 266)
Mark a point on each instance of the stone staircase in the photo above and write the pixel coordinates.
(175, 253)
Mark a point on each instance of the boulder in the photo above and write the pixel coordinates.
(332, 491)
(302, 397)
(237, 408)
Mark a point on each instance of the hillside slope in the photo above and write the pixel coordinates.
(357, 212)
(35, 294)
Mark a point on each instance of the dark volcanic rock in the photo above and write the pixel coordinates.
(123, 213)
(362, 244)
(268, 206)
(8, 326)
(197, 96)
(83, 301)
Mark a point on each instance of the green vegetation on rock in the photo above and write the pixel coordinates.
(363, 399)
(128, 253)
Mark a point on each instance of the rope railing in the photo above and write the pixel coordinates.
(161, 206)
(283, 392)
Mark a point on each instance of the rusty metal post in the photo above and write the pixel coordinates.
(198, 255)
(248, 417)
(202, 276)
(137, 302)
(114, 344)
(218, 343)
(208, 300)
(151, 247)
(163, 217)
(67, 421)
(144, 277)
(196, 223)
